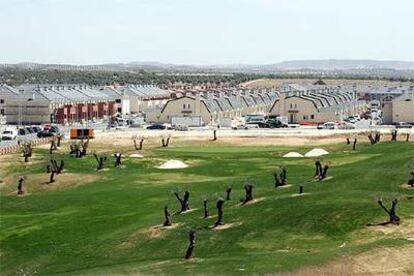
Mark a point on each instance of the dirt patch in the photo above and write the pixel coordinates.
(39, 182)
(406, 186)
(136, 155)
(284, 186)
(227, 226)
(298, 195)
(404, 230)
(157, 231)
(383, 261)
(152, 232)
(254, 201)
(188, 211)
(323, 180)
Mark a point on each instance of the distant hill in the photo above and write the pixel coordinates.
(329, 64)
(340, 64)
(332, 68)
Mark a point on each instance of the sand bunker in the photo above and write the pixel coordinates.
(173, 164)
(136, 155)
(316, 152)
(292, 154)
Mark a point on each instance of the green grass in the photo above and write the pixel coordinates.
(102, 227)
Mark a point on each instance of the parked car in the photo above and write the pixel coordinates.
(8, 134)
(403, 125)
(36, 129)
(22, 131)
(272, 123)
(45, 133)
(156, 126)
(327, 125)
(54, 129)
(245, 127)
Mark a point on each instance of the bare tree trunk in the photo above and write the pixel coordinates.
(118, 157)
(393, 217)
(377, 137)
(354, 145)
(214, 135)
(219, 206)
(167, 216)
(248, 188)
(394, 133)
(371, 139)
(190, 250)
(228, 192)
(348, 141)
(184, 202)
(100, 160)
(324, 172)
(407, 138)
(411, 180)
(52, 175)
(20, 190)
(300, 189)
(318, 168)
(205, 204)
(59, 138)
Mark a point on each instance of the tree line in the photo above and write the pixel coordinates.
(16, 76)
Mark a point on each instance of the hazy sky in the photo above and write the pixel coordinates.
(204, 31)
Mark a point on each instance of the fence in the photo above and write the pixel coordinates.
(17, 148)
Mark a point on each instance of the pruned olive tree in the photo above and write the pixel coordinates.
(53, 145)
(219, 206)
(354, 144)
(165, 140)
(228, 193)
(392, 212)
(190, 250)
(27, 149)
(205, 208)
(411, 180)
(100, 161)
(280, 176)
(138, 145)
(394, 133)
(320, 171)
(184, 201)
(248, 189)
(118, 159)
(54, 169)
(167, 217)
(20, 188)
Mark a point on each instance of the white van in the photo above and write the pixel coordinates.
(9, 134)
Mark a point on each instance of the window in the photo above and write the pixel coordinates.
(188, 105)
(312, 116)
(1, 101)
(305, 117)
(183, 106)
(2, 111)
(291, 105)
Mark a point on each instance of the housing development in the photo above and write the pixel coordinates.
(209, 137)
(299, 104)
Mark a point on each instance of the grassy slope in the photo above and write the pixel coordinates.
(102, 227)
